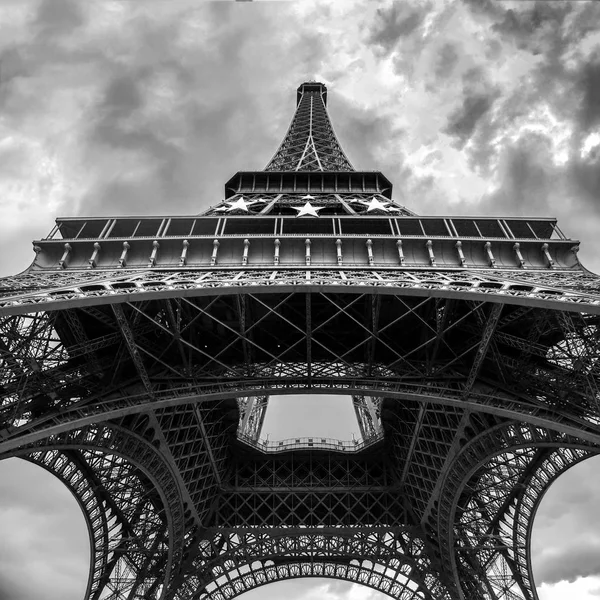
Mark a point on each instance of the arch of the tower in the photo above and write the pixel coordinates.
(501, 381)
(485, 515)
(392, 561)
(508, 478)
(380, 577)
(454, 347)
(130, 501)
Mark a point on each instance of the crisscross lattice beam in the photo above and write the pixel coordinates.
(310, 143)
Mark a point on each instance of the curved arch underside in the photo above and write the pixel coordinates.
(394, 584)
(486, 394)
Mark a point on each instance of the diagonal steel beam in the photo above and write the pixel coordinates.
(240, 336)
(309, 337)
(374, 314)
(228, 368)
(413, 442)
(441, 323)
(209, 449)
(371, 334)
(132, 347)
(484, 345)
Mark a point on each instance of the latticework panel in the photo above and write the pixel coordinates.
(131, 504)
(197, 438)
(437, 373)
(487, 506)
(396, 559)
(137, 357)
(310, 143)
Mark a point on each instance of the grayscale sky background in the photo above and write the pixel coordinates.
(117, 107)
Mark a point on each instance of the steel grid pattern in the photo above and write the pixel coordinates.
(131, 503)
(310, 143)
(145, 391)
(578, 293)
(490, 494)
(395, 559)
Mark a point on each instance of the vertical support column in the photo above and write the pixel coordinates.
(546, 251)
(62, 263)
(429, 245)
(307, 252)
(517, 249)
(366, 414)
(461, 254)
(338, 247)
(400, 252)
(248, 408)
(213, 258)
(123, 259)
(488, 249)
(369, 245)
(94, 257)
(308, 308)
(277, 244)
(245, 254)
(155, 247)
(184, 251)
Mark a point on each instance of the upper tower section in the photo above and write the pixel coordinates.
(308, 208)
(310, 143)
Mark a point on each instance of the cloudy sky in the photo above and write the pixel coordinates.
(115, 107)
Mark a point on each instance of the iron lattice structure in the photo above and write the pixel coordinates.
(138, 356)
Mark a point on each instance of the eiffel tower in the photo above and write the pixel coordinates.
(138, 356)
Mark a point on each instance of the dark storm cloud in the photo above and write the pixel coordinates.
(463, 121)
(446, 59)
(589, 84)
(57, 17)
(522, 24)
(176, 145)
(479, 95)
(583, 177)
(527, 178)
(395, 22)
(12, 65)
(361, 132)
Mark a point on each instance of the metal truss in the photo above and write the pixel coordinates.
(310, 143)
(580, 291)
(489, 500)
(131, 503)
(441, 407)
(252, 416)
(392, 561)
(145, 390)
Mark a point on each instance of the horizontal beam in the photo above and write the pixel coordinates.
(491, 286)
(500, 405)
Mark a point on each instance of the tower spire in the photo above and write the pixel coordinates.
(310, 143)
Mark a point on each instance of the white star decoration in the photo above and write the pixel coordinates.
(375, 204)
(308, 209)
(239, 204)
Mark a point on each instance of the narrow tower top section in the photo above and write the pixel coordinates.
(311, 86)
(310, 143)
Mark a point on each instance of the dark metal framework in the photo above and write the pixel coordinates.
(137, 366)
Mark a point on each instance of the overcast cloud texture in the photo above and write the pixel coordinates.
(118, 107)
